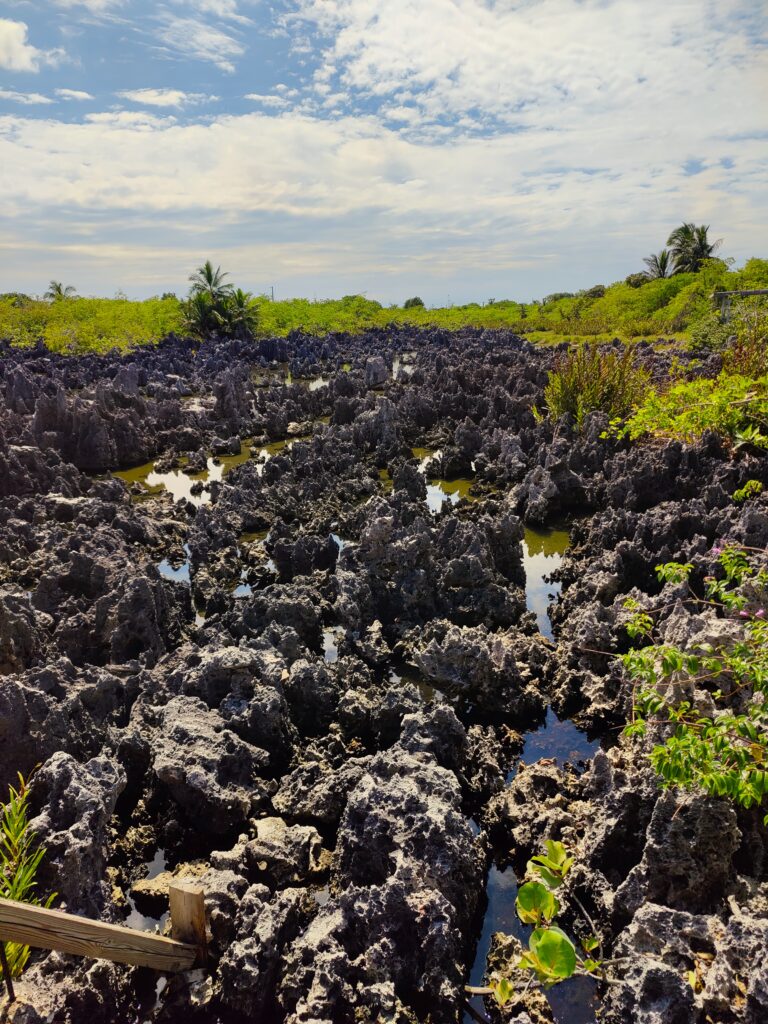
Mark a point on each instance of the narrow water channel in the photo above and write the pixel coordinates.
(572, 1001)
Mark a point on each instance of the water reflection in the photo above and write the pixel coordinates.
(441, 490)
(573, 1001)
(543, 551)
(331, 635)
(186, 486)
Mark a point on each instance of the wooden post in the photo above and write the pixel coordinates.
(67, 933)
(7, 974)
(187, 902)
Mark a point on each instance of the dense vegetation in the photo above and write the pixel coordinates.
(215, 306)
(636, 308)
(730, 399)
(587, 380)
(724, 752)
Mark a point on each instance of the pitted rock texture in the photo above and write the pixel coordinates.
(306, 687)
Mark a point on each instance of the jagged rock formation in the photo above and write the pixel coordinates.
(304, 685)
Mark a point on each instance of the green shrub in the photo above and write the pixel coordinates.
(587, 380)
(659, 308)
(748, 354)
(726, 753)
(636, 280)
(89, 325)
(19, 860)
(732, 405)
(751, 489)
(709, 334)
(412, 303)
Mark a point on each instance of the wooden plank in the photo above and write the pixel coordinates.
(67, 933)
(187, 902)
(742, 292)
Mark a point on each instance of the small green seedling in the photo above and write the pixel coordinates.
(553, 866)
(751, 489)
(503, 990)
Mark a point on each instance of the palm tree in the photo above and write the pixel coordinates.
(242, 313)
(659, 264)
(201, 315)
(206, 279)
(57, 291)
(690, 246)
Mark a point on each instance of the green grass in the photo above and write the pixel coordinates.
(587, 380)
(20, 858)
(666, 308)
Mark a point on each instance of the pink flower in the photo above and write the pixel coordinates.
(760, 613)
(743, 614)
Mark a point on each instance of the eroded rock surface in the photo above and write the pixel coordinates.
(293, 660)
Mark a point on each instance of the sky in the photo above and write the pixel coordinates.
(461, 150)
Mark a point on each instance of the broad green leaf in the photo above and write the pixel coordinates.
(535, 903)
(554, 952)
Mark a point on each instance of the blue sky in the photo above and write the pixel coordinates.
(458, 149)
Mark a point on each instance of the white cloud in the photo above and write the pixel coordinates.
(190, 37)
(165, 97)
(16, 52)
(73, 94)
(320, 170)
(469, 142)
(536, 63)
(141, 121)
(94, 6)
(266, 100)
(227, 9)
(27, 98)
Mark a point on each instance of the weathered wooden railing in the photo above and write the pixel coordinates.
(68, 933)
(723, 299)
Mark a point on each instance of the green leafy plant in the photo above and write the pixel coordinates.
(750, 436)
(20, 858)
(748, 354)
(751, 489)
(535, 903)
(207, 281)
(57, 291)
(587, 380)
(640, 624)
(658, 264)
(726, 753)
(689, 247)
(710, 334)
(731, 405)
(553, 866)
(551, 956)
